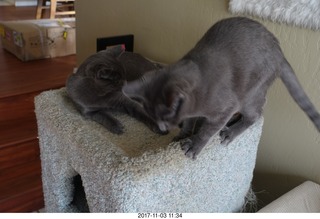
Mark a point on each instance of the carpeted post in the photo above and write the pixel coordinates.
(138, 171)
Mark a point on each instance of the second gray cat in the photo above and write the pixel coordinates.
(96, 87)
(220, 85)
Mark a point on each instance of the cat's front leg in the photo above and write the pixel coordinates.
(189, 127)
(193, 145)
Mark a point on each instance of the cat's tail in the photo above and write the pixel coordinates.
(295, 89)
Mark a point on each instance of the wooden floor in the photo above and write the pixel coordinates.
(17, 77)
(8, 13)
(20, 171)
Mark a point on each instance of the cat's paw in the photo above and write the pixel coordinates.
(189, 148)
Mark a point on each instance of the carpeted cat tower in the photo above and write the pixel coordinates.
(87, 168)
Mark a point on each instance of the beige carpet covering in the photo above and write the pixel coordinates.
(138, 171)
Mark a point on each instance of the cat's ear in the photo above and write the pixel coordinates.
(134, 90)
(116, 50)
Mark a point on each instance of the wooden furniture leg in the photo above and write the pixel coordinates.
(53, 9)
(41, 5)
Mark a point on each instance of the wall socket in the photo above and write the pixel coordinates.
(126, 40)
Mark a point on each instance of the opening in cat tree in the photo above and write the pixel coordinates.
(79, 195)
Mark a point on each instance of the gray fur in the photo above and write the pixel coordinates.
(220, 85)
(96, 87)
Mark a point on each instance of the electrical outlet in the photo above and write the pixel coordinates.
(126, 40)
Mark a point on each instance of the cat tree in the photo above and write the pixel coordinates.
(138, 171)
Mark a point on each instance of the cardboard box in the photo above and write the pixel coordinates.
(38, 39)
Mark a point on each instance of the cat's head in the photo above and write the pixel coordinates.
(110, 72)
(105, 68)
(160, 97)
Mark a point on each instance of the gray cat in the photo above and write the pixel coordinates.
(220, 85)
(96, 87)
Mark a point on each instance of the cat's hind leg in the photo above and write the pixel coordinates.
(247, 117)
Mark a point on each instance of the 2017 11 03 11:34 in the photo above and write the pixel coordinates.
(159, 215)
